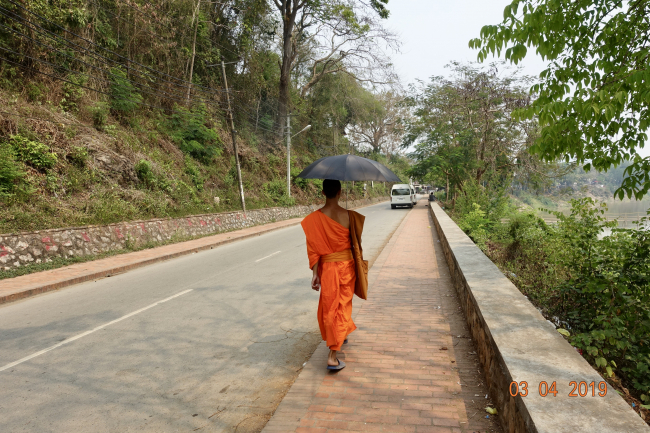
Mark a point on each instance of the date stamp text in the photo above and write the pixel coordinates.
(575, 389)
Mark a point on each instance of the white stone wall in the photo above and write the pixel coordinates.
(42, 246)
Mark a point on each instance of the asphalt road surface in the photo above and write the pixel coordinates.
(208, 342)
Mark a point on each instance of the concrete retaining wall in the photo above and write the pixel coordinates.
(516, 344)
(42, 246)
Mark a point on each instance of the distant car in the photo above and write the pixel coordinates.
(402, 194)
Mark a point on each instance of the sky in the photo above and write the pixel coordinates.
(435, 32)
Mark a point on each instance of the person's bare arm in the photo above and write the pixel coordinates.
(315, 279)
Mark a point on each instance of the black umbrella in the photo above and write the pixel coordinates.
(347, 168)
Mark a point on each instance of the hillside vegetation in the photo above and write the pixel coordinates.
(117, 110)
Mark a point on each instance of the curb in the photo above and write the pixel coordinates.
(40, 288)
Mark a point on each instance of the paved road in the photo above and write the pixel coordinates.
(206, 342)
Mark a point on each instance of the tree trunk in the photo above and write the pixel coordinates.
(285, 71)
(447, 186)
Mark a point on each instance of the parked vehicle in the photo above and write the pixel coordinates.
(402, 194)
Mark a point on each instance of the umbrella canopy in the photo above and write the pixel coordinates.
(347, 168)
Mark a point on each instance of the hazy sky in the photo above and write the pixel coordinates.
(435, 32)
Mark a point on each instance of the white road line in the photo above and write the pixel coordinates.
(83, 334)
(259, 260)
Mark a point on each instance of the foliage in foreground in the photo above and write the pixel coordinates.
(592, 100)
(596, 287)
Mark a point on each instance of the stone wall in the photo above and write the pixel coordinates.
(516, 344)
(42, 246)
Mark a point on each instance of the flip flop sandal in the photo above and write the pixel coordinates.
(341, 366)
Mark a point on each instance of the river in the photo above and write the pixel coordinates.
(624, 211)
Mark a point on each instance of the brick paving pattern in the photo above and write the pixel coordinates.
(402, 371)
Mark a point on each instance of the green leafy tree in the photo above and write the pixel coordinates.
(329, 36)
(462, 127)
(592, 100)
(378, 122)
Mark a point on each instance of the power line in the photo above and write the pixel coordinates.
(105, 49)
(69, 42)
(168, 39)
(89, 76)
(156, 92)
(105, 60)
(105, 10)
(92, 89)
(184, 33)
(253, 118)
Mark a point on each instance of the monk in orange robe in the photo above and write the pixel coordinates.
(330, 258)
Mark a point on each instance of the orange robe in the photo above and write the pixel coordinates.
(326, 236)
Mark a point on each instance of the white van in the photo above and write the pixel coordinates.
(402, 194)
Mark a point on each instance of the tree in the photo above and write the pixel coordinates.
(463, 128)
(348, 42)
(379, 122)
(333, 104)
(592, 100)
(340, 18)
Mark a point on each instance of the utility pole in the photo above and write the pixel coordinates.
(289, 155)
(234, 138)
(289, 136)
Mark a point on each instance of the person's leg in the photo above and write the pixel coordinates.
(332, 359)
(327, 310)
(334, 349)
(335, 306)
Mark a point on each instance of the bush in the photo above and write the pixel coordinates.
(124, 98)
(99, 112)
(605, 302)
(78, 156)
(34, 153)
(493, 202)
(73, 92)
(35, 91)
(301, 183)
(276, 190)
(194, 173)
(596, 287)
(10, 173)
(474, 224)
(189, 131)
(145, 173)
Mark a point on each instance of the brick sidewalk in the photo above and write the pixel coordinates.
(402, 373)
